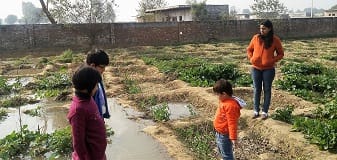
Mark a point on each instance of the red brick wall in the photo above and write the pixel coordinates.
(84, 36)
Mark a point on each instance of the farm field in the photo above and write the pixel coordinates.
(303, 110)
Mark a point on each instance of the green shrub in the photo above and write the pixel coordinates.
(3, 114)
(147, 102)
(200, 139)
(284, 114)
(131, 86)
(4, 88)
(161, 112)
(66, 57)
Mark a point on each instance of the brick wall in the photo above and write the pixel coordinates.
(44, 37)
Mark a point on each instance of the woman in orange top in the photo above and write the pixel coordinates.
(226, 119)
(264, 50)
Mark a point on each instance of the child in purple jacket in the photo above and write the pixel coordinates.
(88, 128)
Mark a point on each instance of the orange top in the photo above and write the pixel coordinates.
(262, 58)
(227, 117)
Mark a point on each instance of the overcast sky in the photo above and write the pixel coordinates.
(126, 9)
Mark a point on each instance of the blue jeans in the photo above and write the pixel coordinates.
(265, 78)
(225, 146)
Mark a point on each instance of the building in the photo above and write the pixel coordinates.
(242, 16)
(182, 13)
(330, 13)
(301, 14)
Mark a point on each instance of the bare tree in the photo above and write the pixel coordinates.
(46, 11)
(80, 11)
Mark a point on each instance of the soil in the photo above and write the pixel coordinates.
(268, 139)
(259, 139)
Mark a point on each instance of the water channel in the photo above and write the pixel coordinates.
(129, 141)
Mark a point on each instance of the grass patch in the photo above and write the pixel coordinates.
(200, 139)
(161, 112)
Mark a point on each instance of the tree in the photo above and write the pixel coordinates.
(268, 9)
(11, 19)
(46, 11)
(199, 10)
(81, 11)
(144, 5)
(31, 14)
(232, 14)
(246, 11)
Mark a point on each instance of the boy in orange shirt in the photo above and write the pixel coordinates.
(226, 119)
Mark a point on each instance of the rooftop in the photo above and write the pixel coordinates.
(177, 7)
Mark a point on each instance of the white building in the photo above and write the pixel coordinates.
(330, 13)
(182, 13)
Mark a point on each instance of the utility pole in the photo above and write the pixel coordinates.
(312, 6)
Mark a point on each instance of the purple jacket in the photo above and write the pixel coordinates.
(88, 130)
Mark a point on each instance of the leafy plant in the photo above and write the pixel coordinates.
(57, 80)
(309, 81)
(60, 141)
(146, 102)
(14, 102)
(4, 87)
(52, 84)
(16, 144)
(284, 114)
(198, 72)
(191, 110)
(131, 86)
(161, 112)
(34, 112)
(3, 114)
(66, 57)
(199, 138)
(318, 131)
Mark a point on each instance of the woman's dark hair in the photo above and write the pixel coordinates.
(85, 78)
(97, 57)
(267, 39)
(221, 86)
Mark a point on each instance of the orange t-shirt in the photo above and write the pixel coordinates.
(262, 58)
(226, 118)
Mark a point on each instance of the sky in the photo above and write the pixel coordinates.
(126, 9)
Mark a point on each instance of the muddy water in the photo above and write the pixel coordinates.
(129, 142)
(52, 118)
(180, 110)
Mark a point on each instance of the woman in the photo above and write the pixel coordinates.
(264, 50)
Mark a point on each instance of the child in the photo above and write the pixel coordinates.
(88, 128)
(98, 59)
(226, 119)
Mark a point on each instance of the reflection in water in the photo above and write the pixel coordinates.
(23, 80)
(129, 142)
(53, 117)
(180, 110)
